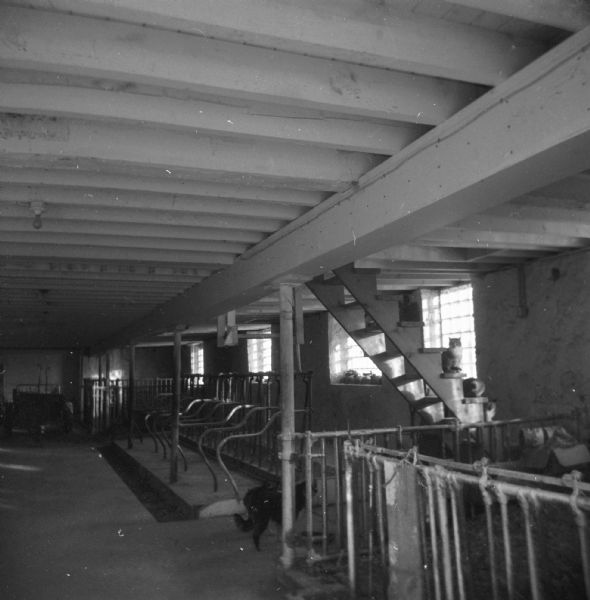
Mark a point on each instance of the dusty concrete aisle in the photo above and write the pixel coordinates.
(71, 529)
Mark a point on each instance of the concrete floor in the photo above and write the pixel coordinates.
(71, 529)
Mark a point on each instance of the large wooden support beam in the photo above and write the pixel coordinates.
(531, 130)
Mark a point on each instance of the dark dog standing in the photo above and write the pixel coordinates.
(264, 504)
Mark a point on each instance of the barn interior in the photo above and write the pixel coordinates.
(324, 191)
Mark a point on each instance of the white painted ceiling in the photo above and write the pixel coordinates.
(185, 157)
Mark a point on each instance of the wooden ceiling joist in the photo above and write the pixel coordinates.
(78, 178)
(573, 15)
(207, 118)
(378, 34)
(169, 151)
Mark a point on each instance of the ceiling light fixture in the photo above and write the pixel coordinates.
(38, 208)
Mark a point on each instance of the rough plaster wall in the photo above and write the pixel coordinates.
(536, 364)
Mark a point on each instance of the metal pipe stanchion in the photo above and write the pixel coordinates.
(175, 409)
(287, 420)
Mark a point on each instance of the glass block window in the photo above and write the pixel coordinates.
(448, 314)
(197, 358)
(260, 354)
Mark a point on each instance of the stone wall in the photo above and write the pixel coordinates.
(538, 362)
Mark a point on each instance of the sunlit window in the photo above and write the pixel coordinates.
(448, 314)
(260, 353)
(346, 355)
(197, 358)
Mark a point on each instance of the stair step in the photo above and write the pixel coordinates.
(353, 304)
(410, 324)
(425, 402)
(366, 270)
(404, 379)
(431, 350)
(366, 332)
(385, 356)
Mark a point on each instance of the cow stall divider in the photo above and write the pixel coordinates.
(239, 411)
(409, 535)
(325, 536)
(106, 403)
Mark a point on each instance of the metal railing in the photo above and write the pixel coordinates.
(106, 401)
(422, 528)
(323, 454)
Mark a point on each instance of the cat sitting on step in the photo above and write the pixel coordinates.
(451, 357)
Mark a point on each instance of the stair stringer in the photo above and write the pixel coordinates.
(362, 285)
(386, 355)
(407, 338)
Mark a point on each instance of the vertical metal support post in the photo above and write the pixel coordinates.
(175, 409)
(131, 397)
(350, 537)
(81, 389)
(287, 371)
(309, 492)
(106, 402)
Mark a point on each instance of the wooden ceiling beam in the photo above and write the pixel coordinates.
(166, 203)
(109, 216)
(39, 278)
(511, 221)
(165, 151)
(112, 288)
(207, 118)
(20, 267)
(421, 267)
(81, 252)
(133, 54)
(571, 192)
(572, 15)
(419, 253)
(367, 33)
(458, 237)
(121, 242)
(155, 232)
(167, 184)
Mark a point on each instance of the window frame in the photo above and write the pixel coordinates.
(199, 349)
(260, 353)
(444, 317)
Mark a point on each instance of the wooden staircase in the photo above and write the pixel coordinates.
(372, 319)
